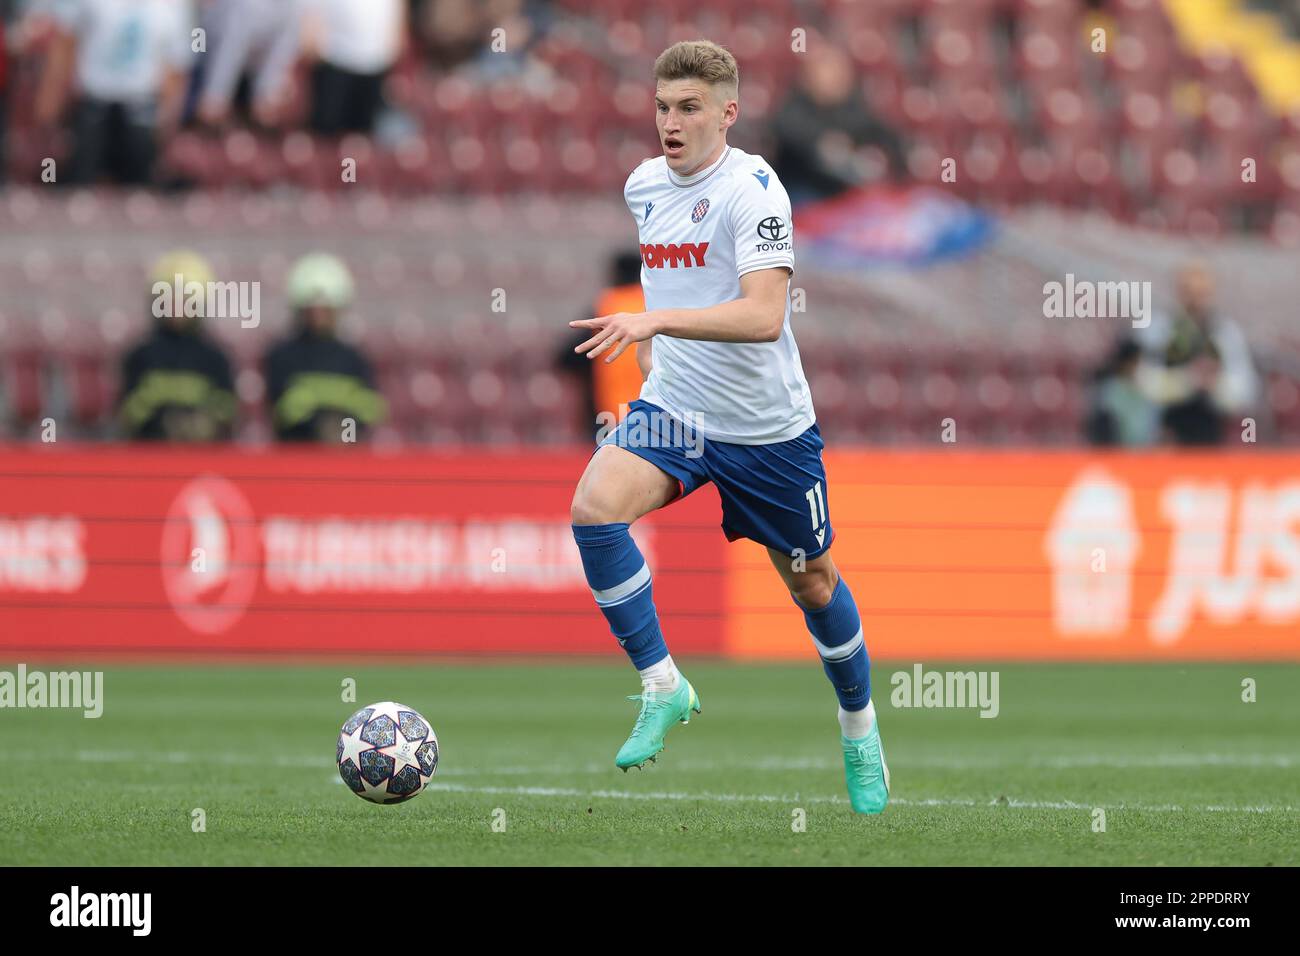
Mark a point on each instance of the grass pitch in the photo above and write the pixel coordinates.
(1186, 773)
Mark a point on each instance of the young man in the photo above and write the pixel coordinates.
(725, 401)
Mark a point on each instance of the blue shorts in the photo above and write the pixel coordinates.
(773, 494)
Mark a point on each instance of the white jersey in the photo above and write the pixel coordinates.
(125, 46)
(699, 235)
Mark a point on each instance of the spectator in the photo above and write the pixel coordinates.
(606, 387)
(449, 32)
(456, 35)
(176, 384)
(1121, 413)
(252, 48)
(523, 25)
(314, 381)
(356, 43)
(127, 62)
(1198, 365)
(827, 139)
(1196, 419)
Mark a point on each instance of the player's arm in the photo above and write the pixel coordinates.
(757, 316)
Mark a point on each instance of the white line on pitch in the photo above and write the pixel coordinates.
(939, 762)
(184, 757)
(797, 800)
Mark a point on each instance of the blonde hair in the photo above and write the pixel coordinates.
(700, 60)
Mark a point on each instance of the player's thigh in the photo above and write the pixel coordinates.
(619, 486)
(811, 581)
(775, 494)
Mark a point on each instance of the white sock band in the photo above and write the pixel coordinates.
(856, 724)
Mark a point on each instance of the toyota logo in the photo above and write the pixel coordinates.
(772, 228)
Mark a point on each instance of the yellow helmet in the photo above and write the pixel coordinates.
(320, 279)
(187, 264)
(190, 267)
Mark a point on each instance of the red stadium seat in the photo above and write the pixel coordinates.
(23, 383)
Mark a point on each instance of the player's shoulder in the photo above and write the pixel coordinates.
(752, 176)
(645, 171)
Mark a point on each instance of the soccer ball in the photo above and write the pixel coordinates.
(387, 753)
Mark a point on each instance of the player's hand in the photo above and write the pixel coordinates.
(618, 330)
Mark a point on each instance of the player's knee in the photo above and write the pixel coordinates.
(813, 588)
(589, 509)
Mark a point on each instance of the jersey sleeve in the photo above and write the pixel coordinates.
(761, 224)
(627, 188)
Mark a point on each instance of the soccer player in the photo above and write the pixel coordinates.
(725, 400)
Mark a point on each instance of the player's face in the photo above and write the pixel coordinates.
(692, 117)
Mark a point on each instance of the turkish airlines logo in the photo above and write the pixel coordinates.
(687, 255)
(209, 555)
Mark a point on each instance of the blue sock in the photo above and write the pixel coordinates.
(837, 632)
(619, 580)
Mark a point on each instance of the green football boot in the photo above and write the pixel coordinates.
(865, 772)
(658, 713)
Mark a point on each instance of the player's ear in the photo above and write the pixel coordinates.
(730, 113)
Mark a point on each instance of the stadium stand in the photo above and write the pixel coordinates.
(482, 176)
(886, 352)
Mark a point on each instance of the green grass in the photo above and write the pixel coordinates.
(1186, 772)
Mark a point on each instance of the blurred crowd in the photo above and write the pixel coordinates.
(177, 385)
(1187, 378)
(122, 76)
(116, 80)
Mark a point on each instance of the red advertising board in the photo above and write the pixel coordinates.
(957, 555)
(1004, 555)
(170, 551)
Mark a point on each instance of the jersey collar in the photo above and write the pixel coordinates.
(702, 175)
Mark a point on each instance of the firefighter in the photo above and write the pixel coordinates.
(318, 387)
(176, 384)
